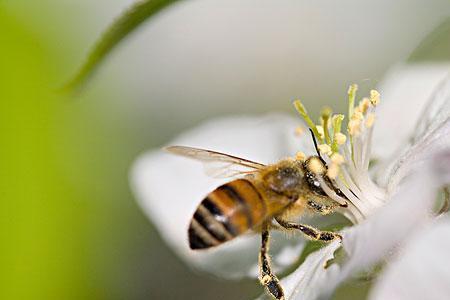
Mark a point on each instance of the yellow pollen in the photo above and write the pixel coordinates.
(265, 279)
(357, 115)
(352, 88)
(333, 171)
(300, 156)
(316, 166)
(340, 138)
(325, 149)
(374, 97)
(320, 130)
(364, 105)
(354, 127)
(337, 159)
(337, 119)
(299, 131)
(370, 120)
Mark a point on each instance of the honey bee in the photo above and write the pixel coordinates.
(261, 198)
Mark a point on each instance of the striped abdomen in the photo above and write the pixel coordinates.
(225, 213)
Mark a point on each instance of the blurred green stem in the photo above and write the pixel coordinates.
(115, 33)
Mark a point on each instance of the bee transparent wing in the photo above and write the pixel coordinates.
(218, 165)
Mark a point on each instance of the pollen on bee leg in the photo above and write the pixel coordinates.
(300, 156)
(325, 149)
(265, 279)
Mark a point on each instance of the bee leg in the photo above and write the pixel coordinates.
(266, 277)
(311, 232)
(320, 208)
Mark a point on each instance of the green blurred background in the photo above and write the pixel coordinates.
(70, 228)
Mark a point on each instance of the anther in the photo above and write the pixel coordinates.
(299, 131)
(354, 127)
(333, 171)
(320, 131)
(325, 149)
(374, 97)
(337, 159)
(340, 138)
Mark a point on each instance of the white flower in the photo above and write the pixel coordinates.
(389, 214)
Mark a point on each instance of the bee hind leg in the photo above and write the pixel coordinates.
(311, 232)
(266, 277)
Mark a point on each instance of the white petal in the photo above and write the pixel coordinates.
(372, 240)
(432, 142)
(406, 91)
(425, 110)
(169, 188)
(421, 271)
(437, 110)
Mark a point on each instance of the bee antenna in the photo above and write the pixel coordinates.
(315, 146)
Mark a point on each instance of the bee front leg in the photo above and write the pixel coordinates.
(309, 231)
(320, 208)
(266, 277)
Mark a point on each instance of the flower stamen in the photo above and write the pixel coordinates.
(302, 111)
(347, 155)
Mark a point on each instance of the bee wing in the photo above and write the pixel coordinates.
(218, 165)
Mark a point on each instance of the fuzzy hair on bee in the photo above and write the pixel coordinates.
(260, 196)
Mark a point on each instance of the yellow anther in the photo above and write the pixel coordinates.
(374, 97)
(316, 166)
(364, 105)
(326, 112)
(325, 122)
(325, 149)
(357, 115)
(304, 114)
(351, 98)
(336, 120)
(354, 127)
(340, 138)
(337, 138)
(333, 171)
(320, 130)
(352, 88)
(337, 159)
(300, 156)
(370, 120)
(358, 109)
(299, 131)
